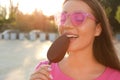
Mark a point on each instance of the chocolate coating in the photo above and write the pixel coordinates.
(58, 49)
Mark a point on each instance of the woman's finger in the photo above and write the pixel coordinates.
(39, 76)
(43, 73)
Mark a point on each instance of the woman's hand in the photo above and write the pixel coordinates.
(43, 73)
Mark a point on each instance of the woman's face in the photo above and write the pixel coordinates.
(83, 32)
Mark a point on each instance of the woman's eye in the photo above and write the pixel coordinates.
(78, 19)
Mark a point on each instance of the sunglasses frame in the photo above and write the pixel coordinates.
(71, 16)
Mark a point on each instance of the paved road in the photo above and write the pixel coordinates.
(18, 58)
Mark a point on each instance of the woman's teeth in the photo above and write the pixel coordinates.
(72, 36)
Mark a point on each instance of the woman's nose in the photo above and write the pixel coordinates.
(68, 23)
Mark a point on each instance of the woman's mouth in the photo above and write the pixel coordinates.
(72, 36)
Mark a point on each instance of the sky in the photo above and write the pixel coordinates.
(48, 7)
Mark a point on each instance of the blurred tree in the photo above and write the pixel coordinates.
(3, 14)
(111, 7)
(23, 22)
(36, 21)
(39, 20)
(52, 25)
(12, 11)
(7, 20)
(117, 17)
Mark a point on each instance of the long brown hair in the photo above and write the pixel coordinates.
(103, 48)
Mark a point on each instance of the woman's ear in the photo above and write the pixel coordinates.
(98, 29)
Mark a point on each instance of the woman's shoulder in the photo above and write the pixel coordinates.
(113, 71)
(110, 74)
(113, 74)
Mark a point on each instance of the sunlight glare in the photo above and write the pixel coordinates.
(42, 52)
(48, 7)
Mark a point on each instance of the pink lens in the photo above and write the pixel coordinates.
(77, 18)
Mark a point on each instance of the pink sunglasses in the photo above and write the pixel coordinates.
(77, 18)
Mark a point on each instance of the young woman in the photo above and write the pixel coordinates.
(91, 54)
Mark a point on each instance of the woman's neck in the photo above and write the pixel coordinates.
(83, 59)
(83, 64)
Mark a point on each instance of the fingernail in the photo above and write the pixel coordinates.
(51, 77)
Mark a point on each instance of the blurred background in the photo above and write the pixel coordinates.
(27, 29)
